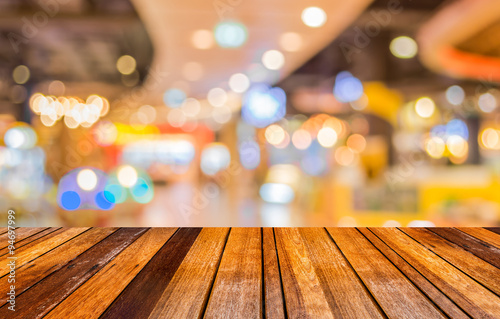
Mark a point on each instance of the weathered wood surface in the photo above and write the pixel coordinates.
(253, 273)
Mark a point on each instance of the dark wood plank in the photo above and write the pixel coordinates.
(188, 291)
(273, 294)
(434, 294)
(482, 234)
(41, 267)
(480, 270)
(20, 233)
(237, 290)
(471, 296)
(97, 291)
(142, 294)
(40, 246)
(304, 296)
(473, 245)
(44, 296)
(496, 230)
(395, 294)
(28, 240)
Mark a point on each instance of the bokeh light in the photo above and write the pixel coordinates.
(301, 139)
(273, 59)
(263, 105)
(230, 34)
(347, 87)
(403, 47)
(126, 64)
(425, 107)
(127, 176)
(174, 98)
(487, 102)
(313, 17)
(455, 95)
(239, 82)
(21, 74)
(86, 179)
(277, 193)
(202, 39)
(215, 157)
(327, 137)
(435, 147)
(217, 97)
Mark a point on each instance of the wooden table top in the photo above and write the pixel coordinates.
(253, 273)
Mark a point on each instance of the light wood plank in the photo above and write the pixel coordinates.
(486, 274)
(100, 290)
(473, 298)
(441, 300)
(482, 234)
(273, 295)
(188, 291)
(304, 296)
(41, 267)
(26, 254)
(237, 290)
(19, 233)
(143, 292)
(395, 294)
(26, 241)
(48, 293)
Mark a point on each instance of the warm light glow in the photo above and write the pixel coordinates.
(356, 143)
(290, 41)
(273, 59)
(313, 17)
(404, 47)
(86, 179)
(127, 176)
(191, 107)
(490, 139)
(457, 146)
(425, 107)
(239, 82)
(435, 147)
(301, 139)
(344, 156)
(126, 64)
(275, 134)
(202, 39)
(327, 137)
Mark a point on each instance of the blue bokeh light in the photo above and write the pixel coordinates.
(249, 152)
(263, 105)
(174, 98)
(70, 200)
(347, 88)
(102, 202)
(230, 34)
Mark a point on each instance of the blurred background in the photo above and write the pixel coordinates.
(250, 113)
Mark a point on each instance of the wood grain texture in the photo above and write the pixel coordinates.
(482, 234)
(434, 294)
(142, 294)
(237, 290)
(468, 294)
(273, 294)
(481, 271)
(40, 246)
(41, 267)
(473, 245)
(48, 293)
(29, 240)
(496, 230)
(98, 293)
(304, 296)
(386, 283)
(188, 291)
(3, 230)
(20, 233)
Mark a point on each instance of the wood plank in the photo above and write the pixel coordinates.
(395, 294)
(3, 230)
(20, 234)
(304, 296)
(29, 252)
(481, 271)
(469, 295)
(343, 290)
(41, 267)
(28, 240)
(237, 290)
(441, 300)
(98, 293)
(273, 294)
(473, 245)
(188, 291)
(482, 234)
(496, 230)
(43, 297)
(142, 294)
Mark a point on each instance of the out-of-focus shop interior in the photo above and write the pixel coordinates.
(250, 113)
